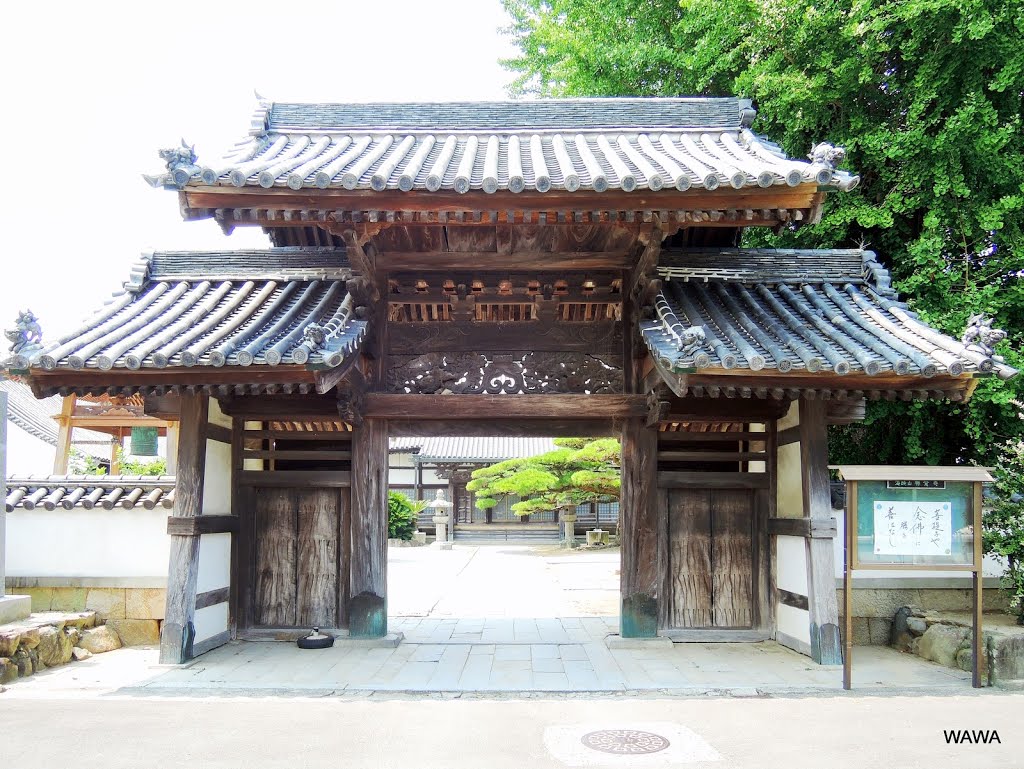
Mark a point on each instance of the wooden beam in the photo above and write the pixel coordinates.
(64, 430)
(367, 608)
(683, 479)
(296, 478)
(444, 407)
(281, 407)
(639, 533)
(178, 630)
(513, 428)
(724, 410)
(218, 433)
(212, 597)
(488, 260)
(597, 337)
(803, 527)
(201, 524)
(826, 645)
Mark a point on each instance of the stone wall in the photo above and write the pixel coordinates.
(115, 603)
(874, 607)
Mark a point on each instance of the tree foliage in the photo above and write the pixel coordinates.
(402, 514)
(926, 97)
(1003, 523)
(578, 471)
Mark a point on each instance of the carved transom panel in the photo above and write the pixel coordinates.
(535, 373)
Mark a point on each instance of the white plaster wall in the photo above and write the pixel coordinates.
(27, 454)
(218, 417)
(791, 564)
(217, 481)
(88, 543)
(214, 562)
(796, 623)
(431, 477)
(790, 498)
(401, 477)
(210, 621)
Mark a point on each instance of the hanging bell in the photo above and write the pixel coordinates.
(143, 442)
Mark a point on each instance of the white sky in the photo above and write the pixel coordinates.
(91, 91)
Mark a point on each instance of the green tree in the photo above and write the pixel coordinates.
(580, 470)
(1003, 523)
(926, 96)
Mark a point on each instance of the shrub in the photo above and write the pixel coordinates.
(401, 516)
(1003, 523)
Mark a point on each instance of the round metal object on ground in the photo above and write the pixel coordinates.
(625, 741)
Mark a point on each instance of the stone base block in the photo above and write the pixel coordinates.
(136, 632)
(390, 641)
(14, 608)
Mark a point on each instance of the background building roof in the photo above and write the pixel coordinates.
(36, 417)
(463, 449)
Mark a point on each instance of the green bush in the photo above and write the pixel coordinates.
(401, 516)
(1003, 523)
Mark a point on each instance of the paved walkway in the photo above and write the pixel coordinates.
(493, 619)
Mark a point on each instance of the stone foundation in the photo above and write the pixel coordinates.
(138, 603)
(51, 638)
(945, 638)
(875, 607)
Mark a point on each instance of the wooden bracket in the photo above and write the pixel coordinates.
(657, 409)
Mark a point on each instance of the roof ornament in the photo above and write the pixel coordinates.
(25, 338)
(692, 341)
(181, 166)
(981, 337)
(747, 113)
(827, 155)
(314, 335)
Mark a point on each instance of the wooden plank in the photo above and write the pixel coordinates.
(442, 407)
(344, 554)
(64, 431)
(803, 527)
(304, 436)
(296, 478)
(177, 631)
(317, 596)
(236, 614)
(275, 558)
(211, 643)
(718, 635)
(787, 598)
(789, 435)
(212, 597)
(325, 455)
(201, 524)
(677, 479)
(218, 433)
(689, 514)
(597, 337)
(725, 410)
(368, 566)
(711, 456)
(667, 438)
(638, 532)
(826, 644)
(524, 260)
(732, 542)
(281, 407)
(566, 428)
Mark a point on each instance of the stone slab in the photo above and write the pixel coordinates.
(145, 603)
(14, 608)
(107, 602)
(136, 632)
(618, 642)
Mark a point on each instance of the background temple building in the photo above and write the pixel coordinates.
(530, 269)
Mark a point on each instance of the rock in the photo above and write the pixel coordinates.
(54, 647)
(23, 662)
(145, 603)
(965, 660)
(74, 635)
(29, 637)
(916, 625)
(80, 620)
(10, 640)
(900, 637)
(37, 664)
(80, 654)
(1007, 652)
(100, 639)
(136, 632)
(940, 643)
(8, 670)
(107, 602)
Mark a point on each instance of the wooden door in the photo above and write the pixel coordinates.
(713, 543)
(297, 558)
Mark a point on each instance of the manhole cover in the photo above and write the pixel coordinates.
(626, 741)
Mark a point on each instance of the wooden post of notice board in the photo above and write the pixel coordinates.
(923, 508)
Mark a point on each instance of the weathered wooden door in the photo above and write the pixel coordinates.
(713, 558)
(297, 557)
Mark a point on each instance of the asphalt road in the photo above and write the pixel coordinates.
(266, 733)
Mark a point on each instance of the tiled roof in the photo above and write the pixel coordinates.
(35, 417)
(797, 310)
(578, 144)
(463, 449)
(235, 308)
(88, 491)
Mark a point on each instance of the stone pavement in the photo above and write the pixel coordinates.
(491, 620)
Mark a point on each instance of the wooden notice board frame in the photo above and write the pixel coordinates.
(924, 483)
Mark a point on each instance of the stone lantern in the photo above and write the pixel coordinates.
(440, 506)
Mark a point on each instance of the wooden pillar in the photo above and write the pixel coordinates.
(826, 647)
(368, 606)
(640, 573)
(178, 629)
(64, 430)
